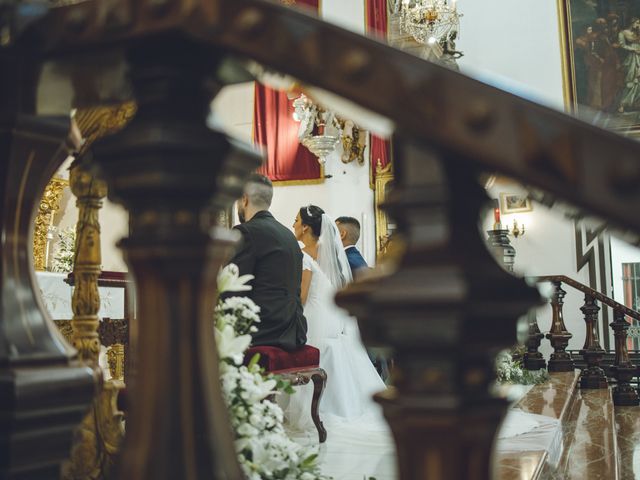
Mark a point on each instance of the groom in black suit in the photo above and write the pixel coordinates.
(270, 252)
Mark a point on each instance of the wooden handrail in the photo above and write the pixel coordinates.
(451, 111)
(590, 291)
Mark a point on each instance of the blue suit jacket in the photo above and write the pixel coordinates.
(356, 262)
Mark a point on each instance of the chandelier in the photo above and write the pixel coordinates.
(430, 21)
(321, 131)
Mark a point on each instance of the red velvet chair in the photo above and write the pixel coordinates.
(298, 367)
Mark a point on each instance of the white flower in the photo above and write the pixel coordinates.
(265, 452)
(229, 280)
(230, 346)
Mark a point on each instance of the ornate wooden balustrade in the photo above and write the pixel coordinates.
(593, 375)
(447, 309)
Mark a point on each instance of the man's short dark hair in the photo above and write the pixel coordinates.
(352, 226)
(259, 189)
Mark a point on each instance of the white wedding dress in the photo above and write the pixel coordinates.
(351, 377)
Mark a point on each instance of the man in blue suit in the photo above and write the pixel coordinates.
(349, 228)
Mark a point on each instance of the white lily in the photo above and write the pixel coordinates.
(230, 280)
(231, 346)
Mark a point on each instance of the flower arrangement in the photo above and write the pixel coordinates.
(265, 452)
(64, 253)
(510, 369)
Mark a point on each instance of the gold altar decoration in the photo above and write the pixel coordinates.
(49, 205)
(115, 352)
(115, 357)
(354, 140)
(384, 229)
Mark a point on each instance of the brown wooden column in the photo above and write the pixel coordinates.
(446, 312)
(592, 376)
(165, 167)
(623, 370)
(560, 360)
(43, 391)
(533, 359)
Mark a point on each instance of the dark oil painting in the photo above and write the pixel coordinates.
(605, 47)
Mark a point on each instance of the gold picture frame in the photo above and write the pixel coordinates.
(384, 227)
(594, 39)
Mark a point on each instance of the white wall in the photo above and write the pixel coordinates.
(546, 248)
(347, 192)
(348, 14)
(515, 44)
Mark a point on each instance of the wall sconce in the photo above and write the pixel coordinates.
(517, 230)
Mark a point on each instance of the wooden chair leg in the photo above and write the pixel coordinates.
(319, 379)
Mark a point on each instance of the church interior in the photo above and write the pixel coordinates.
(482, 159)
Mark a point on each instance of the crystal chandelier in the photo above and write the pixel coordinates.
(430, 21)
(319, 129)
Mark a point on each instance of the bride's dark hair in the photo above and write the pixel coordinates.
(312, 217)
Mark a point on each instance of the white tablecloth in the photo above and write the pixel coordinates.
(56, 296)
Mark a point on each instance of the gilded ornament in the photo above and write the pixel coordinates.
(384, 181)
(49, 205)
(115, 358)
(98, 122)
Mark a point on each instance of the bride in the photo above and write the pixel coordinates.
(351, 377)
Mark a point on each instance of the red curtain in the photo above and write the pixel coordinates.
(376, 24)
(275, 129)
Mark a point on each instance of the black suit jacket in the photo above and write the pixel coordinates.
(269, 251)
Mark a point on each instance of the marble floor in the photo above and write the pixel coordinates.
(590, 434)
(354, 451)
(358, 451)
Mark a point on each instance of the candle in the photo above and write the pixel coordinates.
(496, 219)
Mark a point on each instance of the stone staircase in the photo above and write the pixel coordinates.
(593, 440)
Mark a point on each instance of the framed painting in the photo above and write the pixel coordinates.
(514, 203)
(601, 57)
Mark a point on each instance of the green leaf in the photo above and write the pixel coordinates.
(254, 361)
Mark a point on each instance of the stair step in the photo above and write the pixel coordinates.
(590, 444)
(628, 437)
(552, 399)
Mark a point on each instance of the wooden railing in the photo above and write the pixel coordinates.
(445, 311)
(593, 375)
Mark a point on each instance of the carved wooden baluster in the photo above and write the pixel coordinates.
(533, 359)
(89, 192)
(164, 167)
(560, 360)
(443, 313)
(623, 370)
(592, 376)
(44, 392)
(101, 432)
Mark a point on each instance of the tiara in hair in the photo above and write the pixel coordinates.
(309, 211)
